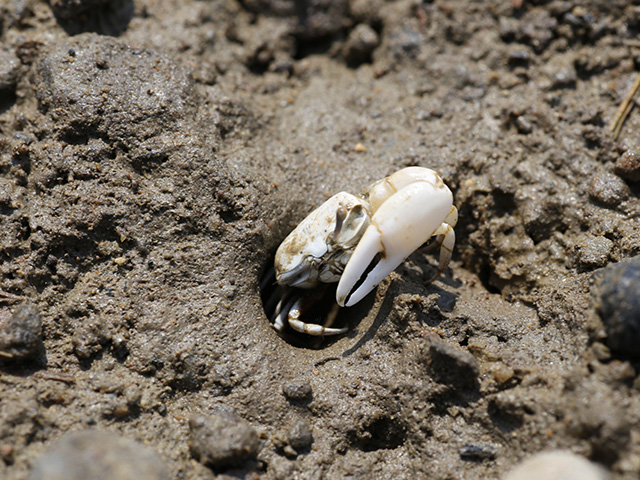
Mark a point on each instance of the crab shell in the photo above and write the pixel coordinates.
(321, 245)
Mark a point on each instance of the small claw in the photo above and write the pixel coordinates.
(402, 223)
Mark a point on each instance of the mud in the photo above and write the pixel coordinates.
(154, 154)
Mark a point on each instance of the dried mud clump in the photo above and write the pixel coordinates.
(21, 334)
(223, 441)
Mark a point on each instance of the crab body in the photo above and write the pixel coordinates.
(358, 240)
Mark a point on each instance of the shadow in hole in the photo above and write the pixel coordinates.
(111, 18)
(272, 295)
(7, 100)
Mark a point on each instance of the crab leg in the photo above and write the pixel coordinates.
(409, 207)
(309, 328)
(446, 240)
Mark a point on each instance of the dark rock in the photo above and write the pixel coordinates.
(20, 334)
(300, 436)
(99, 456)
(477, 453)
(627, 166)
(297, 391)
(223, 440)
(73, 8)
(608, 189)
(618, 304)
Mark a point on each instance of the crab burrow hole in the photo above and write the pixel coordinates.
(318, 306)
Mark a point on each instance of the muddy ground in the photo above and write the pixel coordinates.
(154, 154)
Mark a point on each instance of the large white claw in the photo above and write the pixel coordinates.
(409, 207)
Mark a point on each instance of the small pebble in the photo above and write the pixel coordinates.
(627, 166)
(98, 455)
(557, 465)
(523, 125)
(477, 452)
(300, 436)
(593, 252)
(360, 44)
(618, 305)
(608, 189)
(20, 334)
(519, 57)
(297, 391)
(6, 453)
(223, 440)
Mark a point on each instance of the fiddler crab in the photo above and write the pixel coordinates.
(358, 240)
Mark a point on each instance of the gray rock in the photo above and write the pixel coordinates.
(297, 391)
(300, 436)
(223, 440)
(98, 455)
(20, 334)
(592, 252)
(557, 465)
(474, 452)
(608, 189)
(618, 304)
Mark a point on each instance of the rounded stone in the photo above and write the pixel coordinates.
(300, 436)
(618, 305)
(99, 455)
(557, 465)
(627, 165)
(297, 391)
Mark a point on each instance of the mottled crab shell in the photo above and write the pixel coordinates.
(316, 251)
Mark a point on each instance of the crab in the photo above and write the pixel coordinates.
(357, 240)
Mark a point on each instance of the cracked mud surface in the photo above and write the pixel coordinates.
(154, 154)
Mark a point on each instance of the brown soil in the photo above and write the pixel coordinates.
(154, 154)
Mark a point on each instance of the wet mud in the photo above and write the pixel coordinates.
(153, 155)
